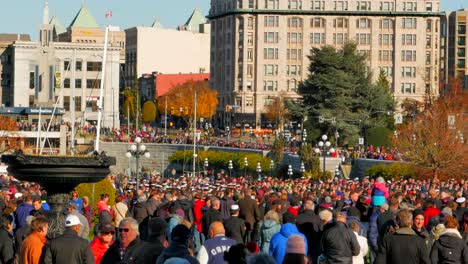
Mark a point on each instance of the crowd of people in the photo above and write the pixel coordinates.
(237, 220)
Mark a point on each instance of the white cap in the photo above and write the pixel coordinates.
(234, 207)
(72, 220)
(461, 200)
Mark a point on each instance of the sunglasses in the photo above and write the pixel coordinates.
(109, 233)
(125, 230)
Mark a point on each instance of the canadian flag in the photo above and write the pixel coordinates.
(108, 14)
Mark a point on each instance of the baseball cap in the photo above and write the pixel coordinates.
(461, 200)
(234, 208)
(72, 220)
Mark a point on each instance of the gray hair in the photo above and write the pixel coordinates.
(215, 201)
(309, 205)
(131, 222)
(404, 218)
(261, 258)
(29, 219)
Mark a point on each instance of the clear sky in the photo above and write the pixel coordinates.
(25, 16)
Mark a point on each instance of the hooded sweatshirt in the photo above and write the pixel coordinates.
(279, 240)
(268, 230)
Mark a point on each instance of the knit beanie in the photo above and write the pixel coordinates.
(417, 212)
(295, 245)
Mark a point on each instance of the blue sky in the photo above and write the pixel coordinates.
(25, 16)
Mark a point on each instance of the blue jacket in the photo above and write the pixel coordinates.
(268, 229)
(21, 213)
(279, 240)
(373, 233)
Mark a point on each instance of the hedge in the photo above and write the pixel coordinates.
(396, 170)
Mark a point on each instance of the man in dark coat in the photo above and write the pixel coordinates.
(123, 250)
(186, 204)
(404, 246)
(339, 244)
(234, 226)
(226, 203)
(210, 216)
(7, 252)
(69, 247)
(309, 224)
(150, 250)
(178, 249)
(250, 213)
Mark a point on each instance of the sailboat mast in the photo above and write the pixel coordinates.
(195, 135)
(101, 95)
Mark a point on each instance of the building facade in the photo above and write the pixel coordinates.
(168, 51)
(66, 70)
(259, 48)
(456, 46)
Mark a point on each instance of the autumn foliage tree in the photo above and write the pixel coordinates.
(434, 140)
(183, 97)
(9, 138)
(277, 111)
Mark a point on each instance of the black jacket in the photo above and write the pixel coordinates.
(339, 244)
(309, 224)
(68, 248)
(176, 250)
(7, 252)
(140, 211)
(149, 251)
(402, 247)
(187, 206)
(112, 255)
(449, 248)
(235, 228)
(209, 217)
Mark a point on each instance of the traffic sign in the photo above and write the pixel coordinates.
(361, 141)
(398, 118)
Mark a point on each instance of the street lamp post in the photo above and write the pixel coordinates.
(304, 137)
(290, 171)
(259, 170)
(246, 164)
(137, 150)
(324, 146)
(206, 166)
(227, 133)
(272, 166)
(302, 168)
(230, 167)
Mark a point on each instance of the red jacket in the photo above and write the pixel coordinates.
(197, 211)
(98, 249)
(429, 213)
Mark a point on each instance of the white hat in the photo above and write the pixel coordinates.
(72, 220)
(461, 200)
(234, 207)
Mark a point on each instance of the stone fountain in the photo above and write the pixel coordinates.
(59, 175)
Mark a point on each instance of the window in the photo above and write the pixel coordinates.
(408, 72)
(79, 65)
(295, 22)
(77, 103)
(363, 39)
(249, 101)
(292, 86)
(270, 85)
(386, 24)
(251, 4)
(270, 53)
(408, 88)
(428, 6)
(341, 5)
(408, 22)
(294, 38)
(317, 38)
(461, 29)
(295, 4)
(428, 58)
(363, 23)
(66, 65)
(268, 101)
(250, 54)
(409, 6)
(461, 40)
(272, 4)
(340, 38)
(271, 21)
(428, 41)
(239, 101)
(385, 55)
(385, 39)
(66, 103)
(249, 70)
(293, 70)
(93, 66)
(294, 54)
(271, 37)
(91, 103)
(408, 55)
(78, 83)
(388, 71)
(32, 80)
(93, 83)
(363, 5)
(317, 5)
(408, 39)
(250, 38)
(317, 22)
(428, 25)
(271, 69)
(250, 22)
(387, 6)
(340, 23)
(66, 83)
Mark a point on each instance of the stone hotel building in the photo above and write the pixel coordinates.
(259, 48)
